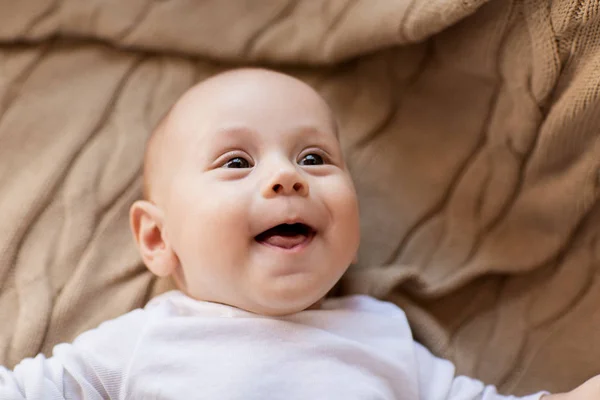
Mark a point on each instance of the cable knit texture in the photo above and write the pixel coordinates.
(471, 127)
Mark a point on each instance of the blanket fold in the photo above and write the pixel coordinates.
(470, 128)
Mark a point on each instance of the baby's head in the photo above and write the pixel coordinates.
(248, 199)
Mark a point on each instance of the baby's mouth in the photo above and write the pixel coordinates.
(286, 236)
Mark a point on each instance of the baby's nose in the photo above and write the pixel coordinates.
(298, 187)
(287, 181)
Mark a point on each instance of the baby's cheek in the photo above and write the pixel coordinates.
(344, 201)
(223, 222)
(346, 217)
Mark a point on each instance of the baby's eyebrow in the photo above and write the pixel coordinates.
(225, 138)
(235, 132)
(310, 131)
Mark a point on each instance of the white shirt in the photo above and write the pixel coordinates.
(179, 348)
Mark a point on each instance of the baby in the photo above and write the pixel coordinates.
(250, 208)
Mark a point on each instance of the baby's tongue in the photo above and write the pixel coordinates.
(283, 236)
(284, 241)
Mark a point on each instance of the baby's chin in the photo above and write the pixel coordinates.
(279, 307)
(273, 307)
(287, 299)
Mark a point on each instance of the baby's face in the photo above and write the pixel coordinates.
(260, 209)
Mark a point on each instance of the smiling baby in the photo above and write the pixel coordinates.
(249, 207)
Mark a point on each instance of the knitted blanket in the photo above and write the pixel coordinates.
(471, 127)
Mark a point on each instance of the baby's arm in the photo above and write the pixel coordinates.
(35, 378)
(437, 381)
(92, 367)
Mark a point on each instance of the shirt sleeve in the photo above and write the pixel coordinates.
(437, 381)
(92, 367)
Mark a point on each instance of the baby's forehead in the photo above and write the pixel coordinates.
(251, 91)
(209, 123)
(247, 97)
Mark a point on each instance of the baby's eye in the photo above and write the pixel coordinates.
(237, 162)
(312, 159)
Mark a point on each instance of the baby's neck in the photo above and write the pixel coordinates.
(316, 306)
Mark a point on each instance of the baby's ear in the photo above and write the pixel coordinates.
(147, 225)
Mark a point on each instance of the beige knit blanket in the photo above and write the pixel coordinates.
(472, 129)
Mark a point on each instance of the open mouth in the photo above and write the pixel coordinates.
(287, 236)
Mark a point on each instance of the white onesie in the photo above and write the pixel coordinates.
(179, 348)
